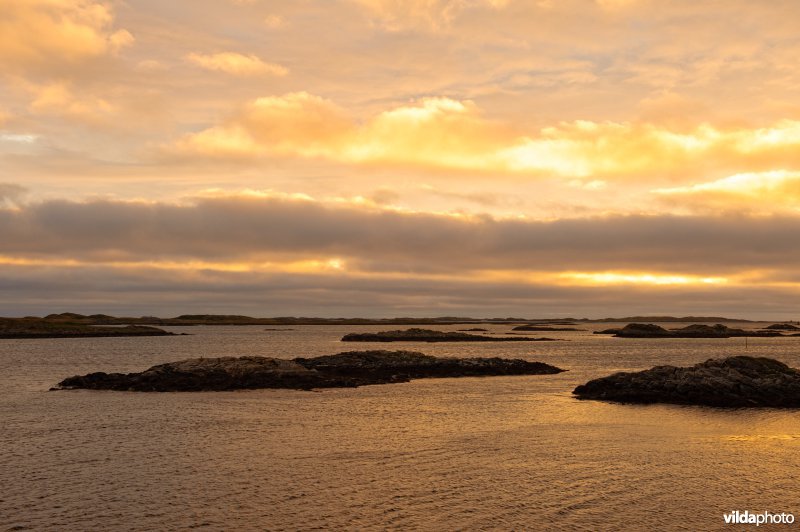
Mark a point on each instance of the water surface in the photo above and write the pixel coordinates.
(443, 454)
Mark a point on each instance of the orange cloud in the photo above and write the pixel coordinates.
(395, 15)
(60, 99)
(36, 33)
(237, 64)
(754, 192)
(442, 133)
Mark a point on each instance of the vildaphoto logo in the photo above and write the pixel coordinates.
(762, 518)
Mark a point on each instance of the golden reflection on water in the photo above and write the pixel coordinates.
(472, 453)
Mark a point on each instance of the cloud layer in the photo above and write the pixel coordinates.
(441, 133)
(416, 155)
(296, 245)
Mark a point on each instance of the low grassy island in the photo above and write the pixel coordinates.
(650, 330)
(740, 381)
(21, 328)
(345, 370)
(427, 335)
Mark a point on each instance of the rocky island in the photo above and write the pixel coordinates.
(650, 330)
(782, 327)
(350, 369)
(427, 335)
(738, 381)
(23, 328)
(543, 328)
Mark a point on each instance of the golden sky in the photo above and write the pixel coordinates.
(387, 157)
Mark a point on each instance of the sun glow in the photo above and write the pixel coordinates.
(615, 278)
(309, 266)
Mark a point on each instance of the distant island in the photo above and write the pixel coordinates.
(427, 335)
(649, 330)
(236, 319)
(23, 328)
(543, 328)
(740, 381)
(350, 369)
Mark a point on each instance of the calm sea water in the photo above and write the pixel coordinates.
(440, 454)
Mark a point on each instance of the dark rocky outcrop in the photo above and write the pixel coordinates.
(782, 327)
(639, 330)
(698, 330)
(730, 382)
(331, 371)
(474, 329)
(427, 335)
(543, 328)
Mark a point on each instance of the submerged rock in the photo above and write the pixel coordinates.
(427, 335)
(729, 382)
(331, 371)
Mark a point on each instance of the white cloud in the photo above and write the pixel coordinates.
(237, 64)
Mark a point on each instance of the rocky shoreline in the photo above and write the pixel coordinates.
(344, 370)
(739, 381)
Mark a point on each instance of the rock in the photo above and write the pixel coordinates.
(782, 327)
(211, 374)
(698, 330)
(427, 335)
(332, 371)
(643, 330)
(738, 381)
(474, 329)
(413, 365)
(614, 331)
(543, 328)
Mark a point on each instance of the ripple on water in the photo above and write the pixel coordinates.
(492, 453)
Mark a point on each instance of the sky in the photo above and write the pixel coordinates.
(376, 158)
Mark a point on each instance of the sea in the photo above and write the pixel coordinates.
(490, 453)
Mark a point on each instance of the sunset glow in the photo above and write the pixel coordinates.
(477, 145)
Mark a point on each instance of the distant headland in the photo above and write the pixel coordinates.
(24, 328)
(236, 319)
(74, 325)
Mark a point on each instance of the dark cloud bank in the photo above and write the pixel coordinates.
(429, 256)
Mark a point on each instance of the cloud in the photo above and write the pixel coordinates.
(760, 193)
(274, 21)
(141, 290)
(57, 34)
(237, 64)
(61, 100)
(284, 254)
(399, 15)
(273, 228)
(11, 193)
(450, 134)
